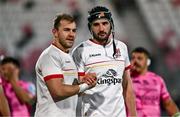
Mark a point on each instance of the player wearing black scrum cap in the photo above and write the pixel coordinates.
(99, 13)
(108, 58)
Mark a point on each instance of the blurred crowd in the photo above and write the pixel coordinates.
(25, 31)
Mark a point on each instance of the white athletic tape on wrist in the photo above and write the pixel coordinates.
(83, 87)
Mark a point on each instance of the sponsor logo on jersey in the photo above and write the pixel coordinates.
(109, 78)
(93, 55)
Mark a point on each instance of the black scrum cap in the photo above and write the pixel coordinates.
(99, 12)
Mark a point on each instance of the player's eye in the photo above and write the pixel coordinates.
(105, 23)
(95, 24)
(74, 30)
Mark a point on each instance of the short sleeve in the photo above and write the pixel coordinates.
(50, 67)
(164, 92)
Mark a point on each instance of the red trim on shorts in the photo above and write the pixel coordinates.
(81, 73)
(49, 77)
(128, 67)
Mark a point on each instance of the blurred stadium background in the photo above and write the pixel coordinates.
(25, 30)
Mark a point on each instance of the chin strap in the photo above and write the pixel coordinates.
(114, 45)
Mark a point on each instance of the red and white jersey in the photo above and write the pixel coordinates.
(54, 63)
(105, 99)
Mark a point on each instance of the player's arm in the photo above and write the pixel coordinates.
(167, 101)
(4, 107)
(60, 91)
(128, 93)
(22, 94)
(170, 107)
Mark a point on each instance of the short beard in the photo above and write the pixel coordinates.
(95, 36)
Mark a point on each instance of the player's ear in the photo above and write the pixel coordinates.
(148, 61)
(54, 31)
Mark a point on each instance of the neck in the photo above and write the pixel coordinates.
(59, 46)
(144, 72)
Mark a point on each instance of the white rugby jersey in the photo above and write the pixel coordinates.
(106, 98)
(54, 63)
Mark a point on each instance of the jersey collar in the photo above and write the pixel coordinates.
(55, 47)
(94, 43)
